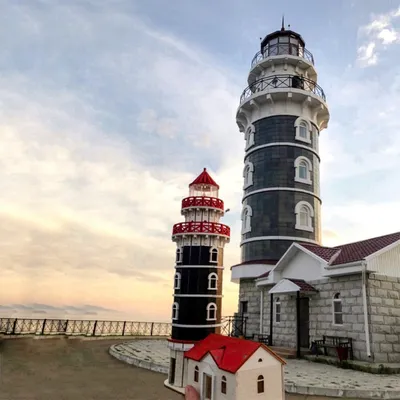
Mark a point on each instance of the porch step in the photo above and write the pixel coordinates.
(284, 352)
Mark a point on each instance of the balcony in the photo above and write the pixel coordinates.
(202, 201)
(201, 228)
(282, 49)
(282, 82)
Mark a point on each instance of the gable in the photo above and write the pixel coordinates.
(386, 261)
(268, 360)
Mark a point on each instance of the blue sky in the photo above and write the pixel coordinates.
(110, 108)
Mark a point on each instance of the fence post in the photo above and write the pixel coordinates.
(14, 326)
(66, 327)
(94, 328)
(43, 326)
(123, 329)
(151, 331)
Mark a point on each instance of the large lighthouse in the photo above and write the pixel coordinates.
(281, 114)
(200, 241)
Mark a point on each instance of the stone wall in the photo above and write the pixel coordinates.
(250, 293)
(384, 310)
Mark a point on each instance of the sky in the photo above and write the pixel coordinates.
(109, 108)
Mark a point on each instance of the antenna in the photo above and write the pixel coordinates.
(283, 22)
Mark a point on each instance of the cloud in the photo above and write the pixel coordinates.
(378, 35)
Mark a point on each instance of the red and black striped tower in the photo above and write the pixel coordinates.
(200, 240)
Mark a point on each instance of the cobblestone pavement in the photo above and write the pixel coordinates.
(301, 376)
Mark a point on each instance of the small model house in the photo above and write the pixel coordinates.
(227, 368)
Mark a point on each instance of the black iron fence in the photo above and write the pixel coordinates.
(231, 326)
(280, 82)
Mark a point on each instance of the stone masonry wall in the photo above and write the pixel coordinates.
(384, 310)
(250, 293)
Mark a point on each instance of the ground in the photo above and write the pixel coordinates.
(72, 369)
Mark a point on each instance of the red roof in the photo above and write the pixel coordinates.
(264, 275)
(228, 353)
(303, 285)
(204, 179)
(352, 252)
(268, 262)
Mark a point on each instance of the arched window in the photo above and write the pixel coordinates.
(175, 311)
(246, 219)
(248, 174)
(211, 312)
(278, 310)
(303, 168)
(223, 384)
(212, 281)
(337, 310)
(179, 254)
(177, 280)
(213, 255)
(260, 384)
(249, 136)
(303, 130)
(196, 374)
(304, 214)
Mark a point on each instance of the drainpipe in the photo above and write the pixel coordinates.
(261, 309)
(364, 295)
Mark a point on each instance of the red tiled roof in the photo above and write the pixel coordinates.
(228, 353)
(352, 252)
(264, 275)
(303, 285)
(268, 262)
(204, 179)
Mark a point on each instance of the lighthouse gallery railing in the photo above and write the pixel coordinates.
(201, 227)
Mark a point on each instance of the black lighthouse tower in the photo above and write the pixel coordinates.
(200, 240)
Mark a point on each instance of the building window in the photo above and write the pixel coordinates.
(177, 280)
(337, 310)
(211, 312)
(248, 174)
(303, 168)
(278, 310)
(175, 311)
(196, 374)
(213, 255)
(260, 384)
(243, 307)
(303, 130)
(223, 384)
(212, 281)
(179, 254)
(304, 214)
(249, 136)
(246, 219)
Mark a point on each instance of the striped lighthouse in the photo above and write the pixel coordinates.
(197, 298)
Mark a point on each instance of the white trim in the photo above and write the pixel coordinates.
(276, 302)
(298, 225)
(297, 124)
(339, 300)
(284, 286)
(297, 176)
(272, 189)
(197, 295)
(196, 326)
(212, 266)
(177, 279)
(249, 136)
(210, 276)
(180, 346)
(246, 219)
(175, 315)
(179, 255)
(258, 238)
(212, 251)
(341, 271)
(383, 250)
(282, 144)
(248, 171)
(208, 309)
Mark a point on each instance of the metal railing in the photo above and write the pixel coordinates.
(281, 82)
(202, 201)
(282, 49)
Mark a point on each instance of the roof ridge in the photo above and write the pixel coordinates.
(334, 257)
(373, 238)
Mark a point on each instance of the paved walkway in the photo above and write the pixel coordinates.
(302, 377)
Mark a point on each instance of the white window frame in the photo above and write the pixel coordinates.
(248, 171)
(297, 124)
(211, 307)
(196, 374)
(249, 136)
(212, 281)
(223, 381)
(213, 250)
(309, 226)
(308, 163)
(337, 299)
(177, 280)
(278, 302)
(179, 255)
(175, 311)
(247, 213)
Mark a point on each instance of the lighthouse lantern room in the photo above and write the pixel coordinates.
(200, 241)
